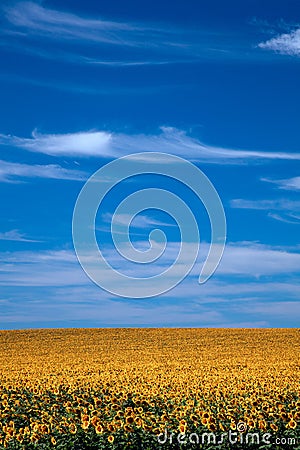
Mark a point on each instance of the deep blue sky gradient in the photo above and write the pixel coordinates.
(200, 69)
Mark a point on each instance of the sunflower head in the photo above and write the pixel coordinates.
(262, 425)
(274, 427)
(129, 420)
(182, 428)
(292, 424)
(73, 428)
(99, 429)
(85, 424)
(212, 427)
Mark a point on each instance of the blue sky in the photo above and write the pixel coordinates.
(83, 83)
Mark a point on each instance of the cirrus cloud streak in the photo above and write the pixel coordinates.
(105, 144)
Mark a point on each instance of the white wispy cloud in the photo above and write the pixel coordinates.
(109, 144)
(275, 204)
(279, 309)
(61, 268)
(14, 172)
(288, 219)
(15, 235)
(257, 260)
(92, 143)
(94, 89)
(289, 207)
(176, 141)
(89, 39)
(43, 268)
(292, 184)
(281, 210)
(89, 304)
(286, 43)
(54, 286)
(129, 63)
(36, 19)
(83, 36)
(247, 259)
(139, 221)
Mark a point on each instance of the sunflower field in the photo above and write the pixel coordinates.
(150, 389)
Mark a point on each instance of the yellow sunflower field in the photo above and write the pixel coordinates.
(149, 388)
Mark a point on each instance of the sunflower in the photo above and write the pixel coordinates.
(262, 425)
(36, 427)
(10, 433)
(99, 429)
(274, 427)
(34, 438)
(292, 424)
(72, 428)
(182, 428)
(95, 421)
(98, 402)
(53, 440)
(110, 427)
(129, 420)
(283, 416)
(222, 427)
(85, 424)
(212, 427)
(118, 423)
(110, 439)
(138, 421)
(20, 438)
(45, 429)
